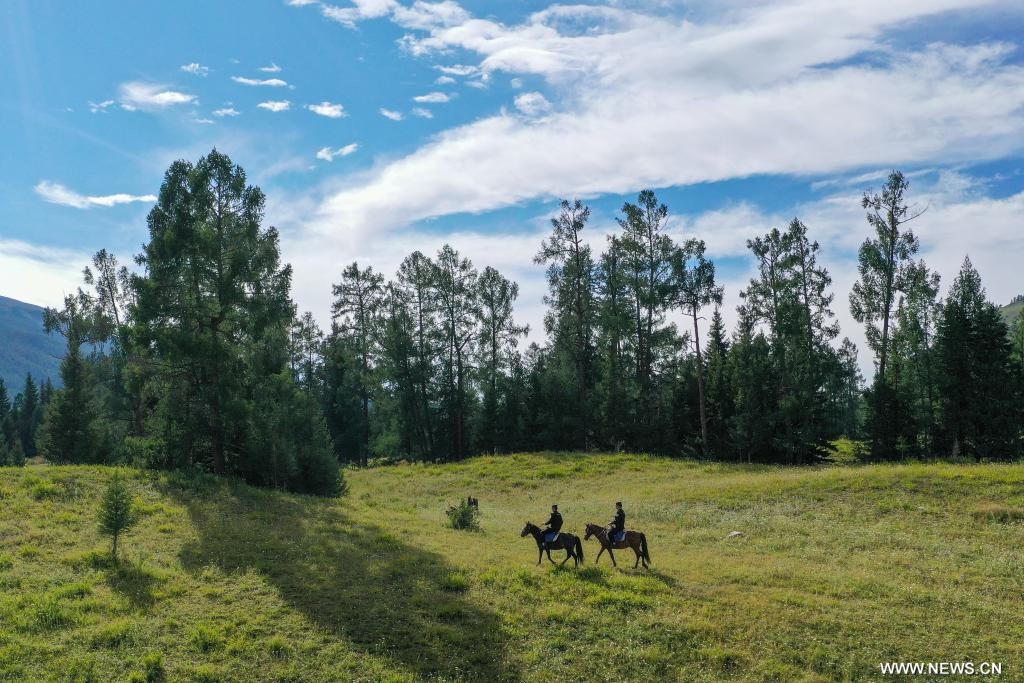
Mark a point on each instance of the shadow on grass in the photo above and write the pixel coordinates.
(133, 583)
(387, 598)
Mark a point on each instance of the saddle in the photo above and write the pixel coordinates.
(551, 536)
(618, 536)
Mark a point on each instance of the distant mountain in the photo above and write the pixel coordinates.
(25, 347)
(1012, 309)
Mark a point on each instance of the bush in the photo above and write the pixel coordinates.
(148, 452)
(116, 513)
(464, 516)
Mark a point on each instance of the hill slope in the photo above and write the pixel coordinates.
(839, 569)
(1012, 311)
(25, 347)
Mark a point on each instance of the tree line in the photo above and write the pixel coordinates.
(201, 359)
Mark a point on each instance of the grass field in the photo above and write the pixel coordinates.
(839, 569)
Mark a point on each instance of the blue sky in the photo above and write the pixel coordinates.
(378, 127)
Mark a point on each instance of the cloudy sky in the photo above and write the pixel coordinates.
(378, 127)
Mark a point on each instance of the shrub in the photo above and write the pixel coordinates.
(116, 514)
(147, 452)
(464, 516)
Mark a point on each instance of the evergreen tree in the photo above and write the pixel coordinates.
(694, 285)
(498, 337)
(458, 305)
(571, 320)
(416, 277)
(73, 428)
(981, 414)
(356, 308)
(883, 265)
(116, 513)
(28, 415)
(647, 255)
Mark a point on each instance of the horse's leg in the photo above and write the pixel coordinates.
(568, 554)
(549, 556)
(599, 554)
(612, 555)
(540, 554)
(638, 556)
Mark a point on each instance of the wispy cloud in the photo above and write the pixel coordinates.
(100, 107)
(149, 96)
(196, 69)
(55, 193)
(272, 69)
(328, 109)
(391, 114)
(422, 113)
(329, 153)
(433, 98)
(458, 69)
(275, 105)
(444, 80)
(269, 82)
(708, 95)
(226, 111)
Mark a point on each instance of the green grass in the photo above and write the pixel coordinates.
(839, 568)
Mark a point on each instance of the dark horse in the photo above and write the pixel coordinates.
(634, 539)
(567, 542)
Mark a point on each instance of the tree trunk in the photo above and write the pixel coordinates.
(700, 386)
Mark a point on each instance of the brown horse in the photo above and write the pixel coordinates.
(633, 539)
(565, 541)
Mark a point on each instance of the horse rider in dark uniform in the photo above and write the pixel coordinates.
(618, 523)
(553, 525)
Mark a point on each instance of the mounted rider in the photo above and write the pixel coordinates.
(552, 526)
(618, 524)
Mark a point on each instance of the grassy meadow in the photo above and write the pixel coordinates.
(839, 568)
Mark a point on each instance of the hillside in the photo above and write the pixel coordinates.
(838, 570)
(1012, 311)
(24, 346)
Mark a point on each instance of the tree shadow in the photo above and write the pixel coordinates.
(387, 598)
(133, 583)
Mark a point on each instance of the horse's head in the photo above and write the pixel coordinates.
(527, 530)
(592, 530)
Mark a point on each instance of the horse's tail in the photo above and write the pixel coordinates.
(643, 546)
(579, 549)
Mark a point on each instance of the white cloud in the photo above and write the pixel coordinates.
(100, 107)
(270, 82)
(444, 80)
(652, 101)
(516, 83)
(532, 103)
(420, 15)
(148, 96)
(272, 69)
(196, 69)
(226, 111)
(422, 113)
(55, 193)
(38, 274)
(329, 153)
(331, 111)
(433, 98)
(458, 69)
(275, 105)
(391, 114)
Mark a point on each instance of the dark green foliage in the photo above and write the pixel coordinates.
(116, 512)
(980, 400)
(464, 517)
